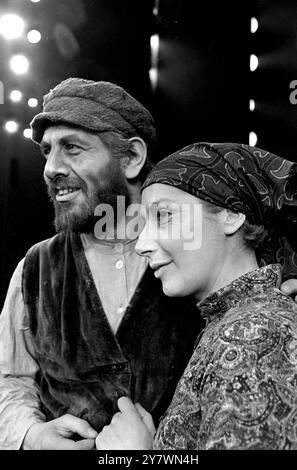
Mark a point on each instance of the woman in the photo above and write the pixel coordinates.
(239, 390)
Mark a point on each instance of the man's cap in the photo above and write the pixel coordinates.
(95, 106)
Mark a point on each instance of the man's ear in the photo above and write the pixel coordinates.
(133, 165)
(232, 221)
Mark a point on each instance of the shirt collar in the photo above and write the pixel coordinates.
(219, 302)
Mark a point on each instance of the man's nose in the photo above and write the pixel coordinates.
(146, 242)
(55, 165)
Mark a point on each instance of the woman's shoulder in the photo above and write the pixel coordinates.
(258, 324)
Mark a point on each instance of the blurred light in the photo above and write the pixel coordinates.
(32, 102)
(19, 64)
(254, 62)
(11, 26)
(35, 1)
(153, 73)
(254, 25)
(155, 42)
(34, 36)
(253, 139)
(16, 95)
(27, 133)
(252, 105)
(11, 126)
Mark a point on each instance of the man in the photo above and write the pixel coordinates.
(84, 321)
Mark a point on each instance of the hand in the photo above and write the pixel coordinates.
(56, 434)
(130, 429)
(289, 287)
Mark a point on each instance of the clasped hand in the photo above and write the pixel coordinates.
(132, 428)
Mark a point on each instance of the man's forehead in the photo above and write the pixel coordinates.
(60, 131)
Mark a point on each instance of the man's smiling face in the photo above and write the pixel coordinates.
(80, 173)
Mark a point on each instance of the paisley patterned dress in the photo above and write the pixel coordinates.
(239, 390)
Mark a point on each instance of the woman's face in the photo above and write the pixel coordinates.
(183, 242)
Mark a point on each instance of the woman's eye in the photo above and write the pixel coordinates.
(163, 216)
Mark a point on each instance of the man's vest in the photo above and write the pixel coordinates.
(84, 366)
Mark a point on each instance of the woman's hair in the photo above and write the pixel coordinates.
(122, 147)
(253, 235)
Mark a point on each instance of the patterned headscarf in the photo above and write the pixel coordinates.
(243, 179)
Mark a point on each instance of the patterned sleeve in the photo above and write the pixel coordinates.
(249, 389)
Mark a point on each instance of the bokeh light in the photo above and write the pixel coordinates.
(254, 62)
(34, 36)
(19, 64)
(32, 102)
(11, 26)
(253, 138)
(27, 133)
(252, 105)
(254, 25)
(16, 95)
(11, 127)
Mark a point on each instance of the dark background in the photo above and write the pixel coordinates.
(203, 90)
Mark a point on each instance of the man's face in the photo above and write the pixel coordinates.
(80, 173)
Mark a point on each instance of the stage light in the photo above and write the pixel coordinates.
(32, 102)
(153, 73)
(11, 26)
(27, 133)
(252, 105)
(254, 25)
(16, 95)
(34, 36)
(155, 44)
(155, 41)
(254, 62)
(11, 127)
(253, 139)
(19, 64)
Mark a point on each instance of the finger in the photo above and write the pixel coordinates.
(146, 418)
(78, 425)
(127, 406)
(289, 287)
(85, 444)
(59, 443)
(116, 417)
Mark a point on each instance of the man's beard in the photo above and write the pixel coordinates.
(110, 184)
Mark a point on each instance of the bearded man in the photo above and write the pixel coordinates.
(85, 321)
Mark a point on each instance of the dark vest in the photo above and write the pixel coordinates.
(84, 366)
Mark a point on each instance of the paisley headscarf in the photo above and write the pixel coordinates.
(243, 179)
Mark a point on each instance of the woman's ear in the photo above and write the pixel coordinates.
(132, 166)
(232, 221)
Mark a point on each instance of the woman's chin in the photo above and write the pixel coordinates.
(172, 291)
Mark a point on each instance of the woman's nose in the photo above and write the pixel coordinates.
(146, 243)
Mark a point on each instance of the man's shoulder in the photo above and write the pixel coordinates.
(47, 245)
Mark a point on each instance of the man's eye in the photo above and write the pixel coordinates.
(71, 147)
(45, 151)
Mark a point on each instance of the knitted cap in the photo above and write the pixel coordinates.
(95, 106)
